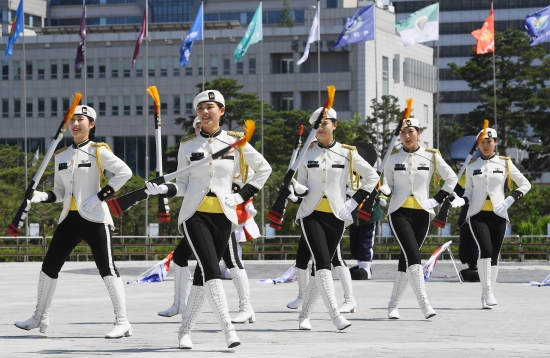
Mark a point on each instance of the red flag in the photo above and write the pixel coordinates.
(486, 36)
(142, 33)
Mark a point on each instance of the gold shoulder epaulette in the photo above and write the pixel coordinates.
(433, 150)
(236, 134)
(350, 147)
(394, 151)
(189, 137)
(472, 161)
(101, 144)
(59, 151)
(504, 158)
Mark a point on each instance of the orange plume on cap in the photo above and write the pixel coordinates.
(409, 108)
(331, 91)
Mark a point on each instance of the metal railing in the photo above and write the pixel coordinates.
(34, 248)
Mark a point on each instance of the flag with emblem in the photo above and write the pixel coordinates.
(420, 26)
(252, 35)
(142, 34)
(359, 28)
(17, 27)
(486, 35)
(194, 34)
(79, 61)
(538, 26)
(156, 273)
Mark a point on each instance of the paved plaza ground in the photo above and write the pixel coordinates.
(82, 313)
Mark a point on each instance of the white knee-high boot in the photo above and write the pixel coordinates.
(310, 299)
(182, 281)
(192, 309)
(246, 313)
(116, 291)
(416, 276)
(399, 287)
(302, 278)
(41, 318)
(349, 304)
(323, 279)
(215, 295)
(484, 269)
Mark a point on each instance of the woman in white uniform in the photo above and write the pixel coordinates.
(486, 180)
(324, 212)
(408, 174)
(207, 216)
(85, 216)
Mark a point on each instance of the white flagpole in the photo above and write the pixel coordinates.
(146, 113)
(262, 123)
(376, 74)
(203, 38)
(437, 76)
(494, 75)
(319, 52)
(25, 146)
(85, 69)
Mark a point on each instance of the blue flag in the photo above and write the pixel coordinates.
(538, 26)
(195, 33)
(17, 28)
(359, 28)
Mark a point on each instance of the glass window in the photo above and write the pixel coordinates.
(127, 66)
(16, 70)
(90, 68)
(114, 68)
(226, 65)
(5, 108)
(139, 67)
(90, 102)
(66, 104)
(385, 75)
(214, 65)
(114, 106)
(151, 64)
(176, 66)
(53, 69)
(252, 65)
(163, 104)
(5, 72)
(53, 107)
(188, 104)
(127, 106)
(139, 105)
(65, 69)
(16, 107)
(163, 67)
(200, 65)
(240, 68)
(78, 72)
(189, 68)
(29, 107)
(101, 68)
(177, 104)
(28, 70)
(102, 106)
(41, 107)
(332, 4)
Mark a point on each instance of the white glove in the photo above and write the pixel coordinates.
(90, 203)
(385, 189)
(503, 207)
(349, 206)
(39, 196)
(292, 197)
(458, 202)
(250, 209)
(154, 189)
(234, 199)
(298, 188)
(383, 202)
(429, 203)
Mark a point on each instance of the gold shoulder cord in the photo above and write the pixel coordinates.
(354, 179)
(60, 151)
(98, 158)
(242, 163)
(510, 181)
(437, 177)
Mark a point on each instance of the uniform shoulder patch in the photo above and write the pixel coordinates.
(101, 144)
(394, 151)
(311, 145)
(472, 161)
(350, 147)
(60, 151)
(188, 138)
(235, 134)
(504, 158)
(433, 150)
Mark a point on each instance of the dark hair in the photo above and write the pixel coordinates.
(222, 118)
(91, 134)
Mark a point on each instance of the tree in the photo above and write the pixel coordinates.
(517, 80)
(382, 125)
(286, 19)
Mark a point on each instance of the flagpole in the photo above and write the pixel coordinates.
(25, 146)
(203, 37)
(85, 68)
(376, 73)
(494, 75)
(262, 123)
(147, 113)
(319, 53)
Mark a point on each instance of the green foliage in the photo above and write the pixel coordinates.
(285, 19)
(380, 127)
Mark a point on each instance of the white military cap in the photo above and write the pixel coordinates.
(208, 96)
(197, 120)
(412, 122)
(85, 111)
(331, 114)
(491, 133)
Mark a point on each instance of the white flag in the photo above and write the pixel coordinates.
(313, 36)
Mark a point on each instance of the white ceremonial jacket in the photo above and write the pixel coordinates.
(410, 173)
(326, 171)
(77, 174)
(488, 178)
(216, 175)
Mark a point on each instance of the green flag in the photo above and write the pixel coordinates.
(253, 34)
(420, 26)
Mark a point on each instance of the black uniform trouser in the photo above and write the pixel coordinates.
(230, 255)
(488, 230)
(72, 230)
(467, 247)
(303, 255)
(361, 241)
(410, 227)
(207, 235)
(322, 233)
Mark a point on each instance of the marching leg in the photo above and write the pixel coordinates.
(416, 276)
(399, 287)
(218, 302)
(40, 318)
(181, 288)
(485, 277)
(302, 278)
(323, 279)
(246, 313)
(310, 299)
(194, 305)
(116, 291)
(349, 305)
